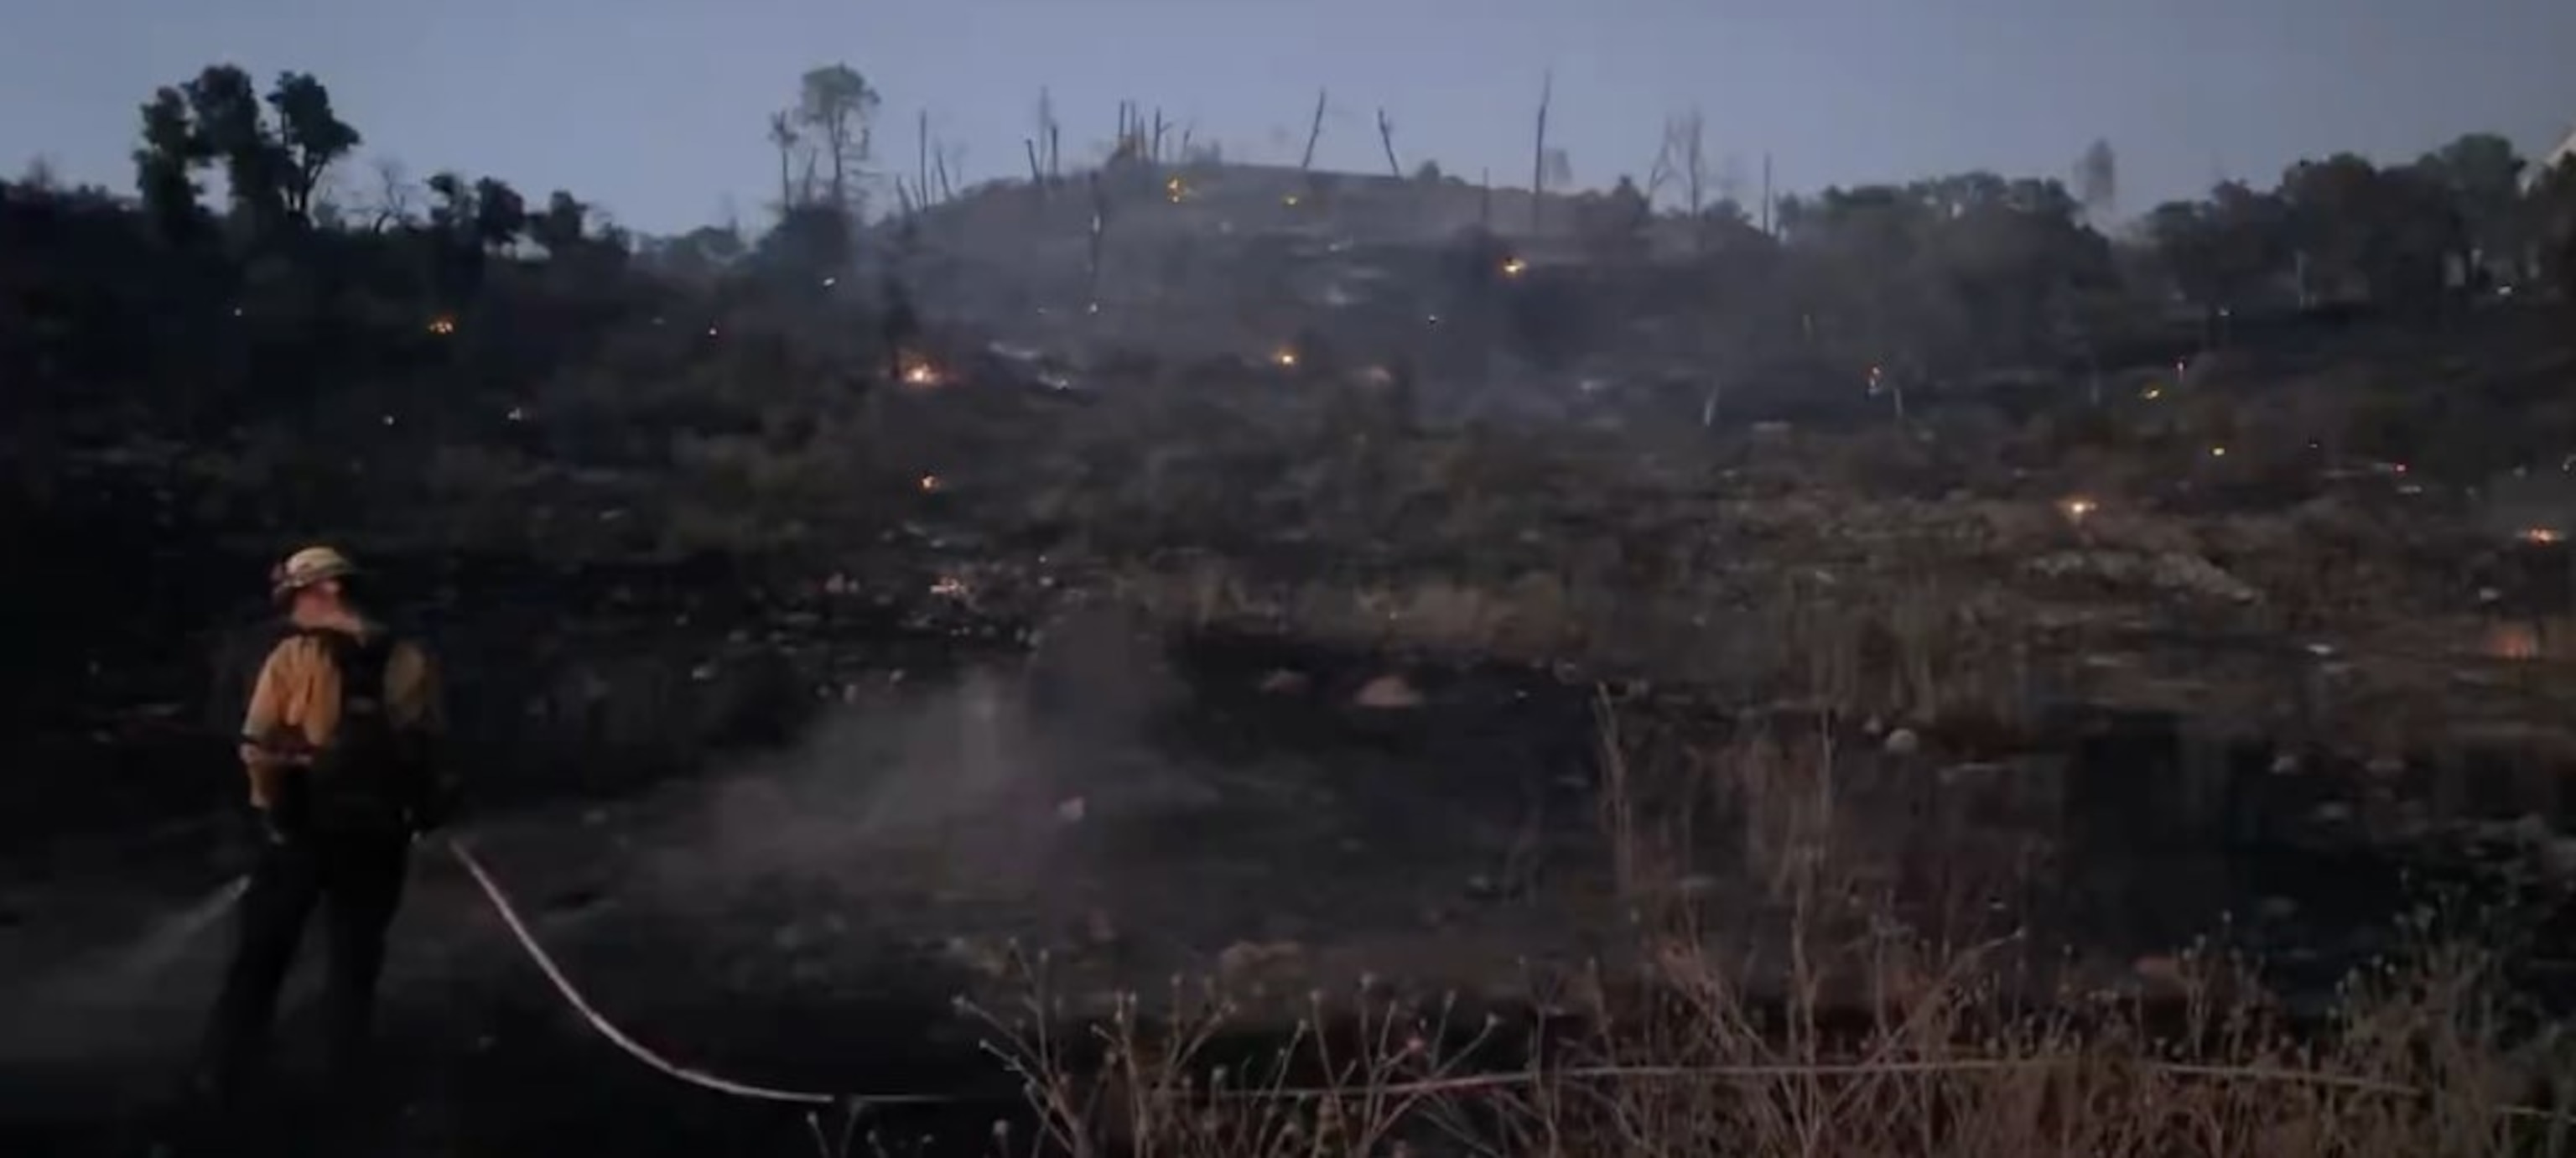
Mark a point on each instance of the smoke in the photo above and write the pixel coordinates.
(117, 999)
(979, 787)
(977, 783)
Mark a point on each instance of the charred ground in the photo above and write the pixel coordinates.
(1291, 578)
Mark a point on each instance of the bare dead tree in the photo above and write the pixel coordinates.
(393, 203)
(1767, 199)
(1693, 129)
(1661, 172)
(1314, 132)
(1037, 174)
(1130, 144)
(1386, 137)
(1045, 136)
(1099, 234)
(1683, 158)
(784, 138)
(948, 163)
(921, 144)
(1159, 129)
(1538, 151)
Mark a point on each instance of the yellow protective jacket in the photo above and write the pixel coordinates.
(295, 705)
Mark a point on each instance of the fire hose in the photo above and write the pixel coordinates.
(815, 1101)
(572, 995)
(852, 1105)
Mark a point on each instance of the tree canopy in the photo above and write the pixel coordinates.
(243, 238)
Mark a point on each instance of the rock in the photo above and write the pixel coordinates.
(1283, 682)
(1903, 742)
(2159, 972)
(1388, 692)
(1248, 961)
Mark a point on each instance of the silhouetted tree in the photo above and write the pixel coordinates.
(167, 163)
(560, 227)
(837, 108)
(500, 214)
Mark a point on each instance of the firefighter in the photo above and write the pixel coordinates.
(337, 745)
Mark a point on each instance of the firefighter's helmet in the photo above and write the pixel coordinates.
(307, 567)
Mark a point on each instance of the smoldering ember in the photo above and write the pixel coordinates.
(1161, 654)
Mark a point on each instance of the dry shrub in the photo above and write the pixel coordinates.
(1688, 1060)
(1850, 1034)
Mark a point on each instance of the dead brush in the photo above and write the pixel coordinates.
(1174, 1081)
(1820, 1010)
(1843, 1029)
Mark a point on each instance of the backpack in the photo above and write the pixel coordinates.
(369, 775)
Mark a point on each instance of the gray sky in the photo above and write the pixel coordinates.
(655, 108)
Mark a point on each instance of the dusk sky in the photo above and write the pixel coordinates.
(655, 108)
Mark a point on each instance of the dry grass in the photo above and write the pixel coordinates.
(1854, 1034)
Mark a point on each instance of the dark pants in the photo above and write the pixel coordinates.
(356, 878)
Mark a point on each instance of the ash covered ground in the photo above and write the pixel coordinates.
(1301, 582)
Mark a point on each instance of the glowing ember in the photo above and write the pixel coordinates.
(2543, 536)
(917, 372)
(1285, 359)
(949, 587)
(1289, 200)
(2510, 641)
(2217, 452)
(1174, 190)
(2077, 507)
(2153, 392)
(442, 325)
(929, 482)
(1514, 267)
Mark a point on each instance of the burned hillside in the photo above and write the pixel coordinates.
(1325, 584)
